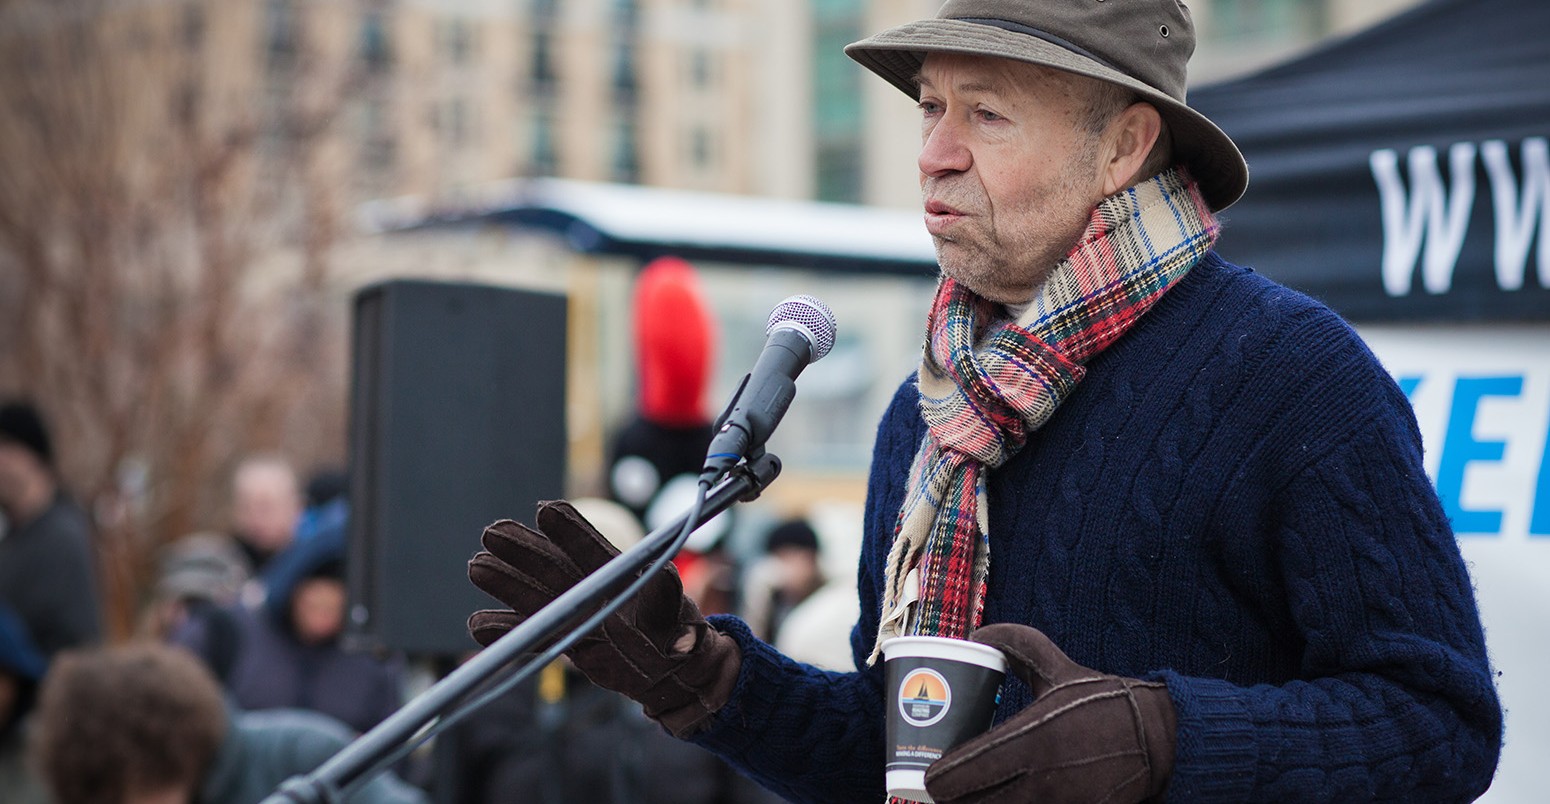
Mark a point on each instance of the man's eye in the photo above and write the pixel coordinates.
(989, 116)
(930, 107)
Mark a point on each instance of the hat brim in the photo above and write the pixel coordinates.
(1210, 155)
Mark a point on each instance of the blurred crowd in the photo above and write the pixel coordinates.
(240, 675)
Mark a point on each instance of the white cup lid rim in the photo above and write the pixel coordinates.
(933, 647)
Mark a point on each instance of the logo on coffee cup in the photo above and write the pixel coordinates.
(924, 697)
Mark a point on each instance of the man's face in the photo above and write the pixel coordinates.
(317, 610)
(266, 506)
(10, 690)
(1008, 173)
(799, 570)
(17, 466)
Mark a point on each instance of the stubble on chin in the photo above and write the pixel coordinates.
(973, 254)
(1004, 262)
(980, 263)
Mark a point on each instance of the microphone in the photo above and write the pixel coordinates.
(800, 331)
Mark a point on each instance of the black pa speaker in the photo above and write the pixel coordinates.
(457, 420)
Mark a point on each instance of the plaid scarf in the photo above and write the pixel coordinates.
(987, 384)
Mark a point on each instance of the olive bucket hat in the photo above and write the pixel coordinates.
(1142, 45)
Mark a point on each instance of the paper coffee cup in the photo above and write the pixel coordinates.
(941, 692)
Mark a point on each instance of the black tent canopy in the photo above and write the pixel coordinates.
(1402, 173)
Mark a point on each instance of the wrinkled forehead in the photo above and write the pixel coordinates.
(1005, 78)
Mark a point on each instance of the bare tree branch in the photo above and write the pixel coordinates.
(163, 256)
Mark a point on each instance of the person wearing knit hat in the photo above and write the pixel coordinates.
(787, 574)
(1186, 503)
(291, 650)
(47, 573)
(27, 481)
(21, 424)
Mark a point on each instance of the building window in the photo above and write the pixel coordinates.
(626, 155)
(457, 41)
(836, 97)
(625, 13)
(542, 159)
(280, 35)
(379, 148)
(543, 73)
(1268, 20)
(456, 122)
(376, 51)
(626, 30)
(701, 68)
(839, 172)
(624, 71)
(701, 148)
(193, 26)
(543, 62)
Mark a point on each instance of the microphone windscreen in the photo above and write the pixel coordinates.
(809, 315)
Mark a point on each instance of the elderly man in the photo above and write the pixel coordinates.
(1199, 485)
(266, 505)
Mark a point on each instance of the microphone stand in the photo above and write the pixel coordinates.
(743, 483)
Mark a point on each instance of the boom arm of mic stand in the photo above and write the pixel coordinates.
(322, 786)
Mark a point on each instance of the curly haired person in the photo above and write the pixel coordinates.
(147, 724)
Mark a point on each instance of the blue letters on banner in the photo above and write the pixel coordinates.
(1460, 448)
(1539, 523)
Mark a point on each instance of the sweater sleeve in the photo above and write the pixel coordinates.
(807, 734)
(1394, 699)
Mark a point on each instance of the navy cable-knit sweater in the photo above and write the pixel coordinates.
(1232, 502)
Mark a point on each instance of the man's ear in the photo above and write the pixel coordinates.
(1128, 139)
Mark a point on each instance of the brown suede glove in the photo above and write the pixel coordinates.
(656, 648)
(1087, 736)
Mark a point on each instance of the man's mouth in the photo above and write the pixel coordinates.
(934, 207)
(940, 217)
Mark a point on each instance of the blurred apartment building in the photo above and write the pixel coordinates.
(434, 99)
(735, 96)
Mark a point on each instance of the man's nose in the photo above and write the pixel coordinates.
(943, 151)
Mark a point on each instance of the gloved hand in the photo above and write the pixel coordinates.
(656, 649)
(1087, 736)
